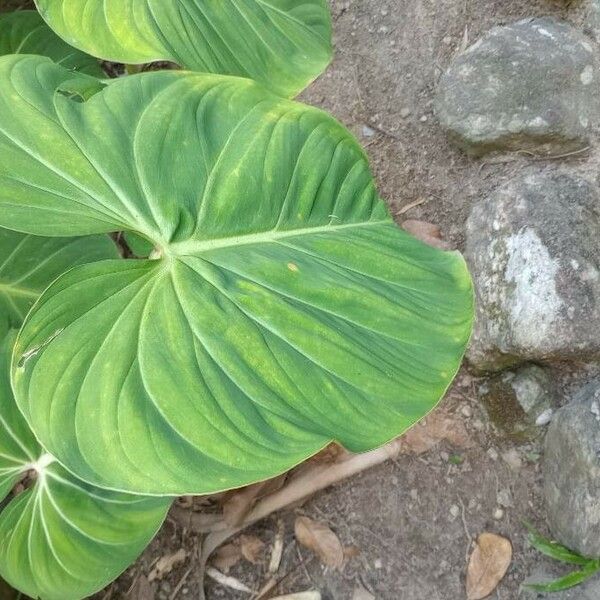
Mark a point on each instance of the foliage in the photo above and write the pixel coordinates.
(283, 44)
(25, 32)
(280, 307)
(61, 538)
(588, 566)
(207, 367)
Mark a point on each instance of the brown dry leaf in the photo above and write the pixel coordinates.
(426, 232)
(319, 538)
(438, 426)
(252, 548)
(488, 565)
(277, 550)
(227, 556)
(166, 564)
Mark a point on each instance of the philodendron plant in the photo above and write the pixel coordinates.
(25, 32)
(61, 538)
(280, 307)
(283, 44)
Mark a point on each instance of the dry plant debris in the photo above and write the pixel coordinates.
(488, 565)
(319, 538)
(166, 564)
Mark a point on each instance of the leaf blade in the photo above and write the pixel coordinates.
(281, 43)
(62, 539)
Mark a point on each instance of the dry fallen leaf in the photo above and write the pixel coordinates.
(277, 550)
(438, 426)
(426, 232)
(488, 565)
(226, 557)
(252, 548)
(319, 538)
(166, 564)
(227, 581)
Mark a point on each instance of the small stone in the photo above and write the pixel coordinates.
(367, 131)
(478, 424)
(405, 112)
(447, 40)
(530, 85)
(454, 511)
(378, 564)
(571, 469)
(544, 418)
(533, 248)
(444, 456)
(466, 411)
(515, 401)
(414, 493)
(504, 498)
(498, 514)
(492, 453)
(423, 119)
(512, 459)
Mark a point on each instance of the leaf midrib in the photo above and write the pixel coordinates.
(16, 290)
(195, 247)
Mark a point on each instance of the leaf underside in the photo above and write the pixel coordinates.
(29, 264)
(283, 44)
(25, 32)
(62, 539)
(287, 309)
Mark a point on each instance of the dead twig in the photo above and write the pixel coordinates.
(298, 488)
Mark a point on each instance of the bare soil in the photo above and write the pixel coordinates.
(413, 519)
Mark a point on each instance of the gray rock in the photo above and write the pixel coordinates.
(530, 86)
(571, 470)
(533, 247)
(593, 18)
(520, 402)
(589, 590)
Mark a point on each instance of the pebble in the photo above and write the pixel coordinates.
(512, 459)
(498, 514)
(492, 453)
(405, 112)
(454, 511)
(466, 411)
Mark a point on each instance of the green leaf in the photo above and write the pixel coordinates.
(283, 44)
(554, 549)
(29, 264)
(25, 32)
(138, 245)
(571, 580)
(286, 310)
(62, 539)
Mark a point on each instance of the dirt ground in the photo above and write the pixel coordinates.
(413, 519)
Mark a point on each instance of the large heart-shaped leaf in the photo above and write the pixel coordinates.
(25, 32)
(62, 539)
(284, 309)
(29, 264)
(284, 44)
